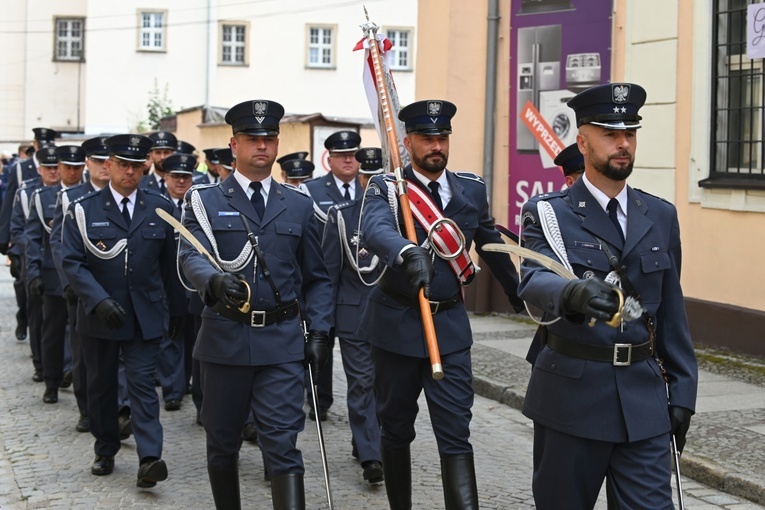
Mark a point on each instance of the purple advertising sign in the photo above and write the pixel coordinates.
(558, 48)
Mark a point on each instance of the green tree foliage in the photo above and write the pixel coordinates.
(158, 106)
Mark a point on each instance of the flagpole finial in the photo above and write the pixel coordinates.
(365, 12)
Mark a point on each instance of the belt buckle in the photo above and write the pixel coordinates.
(434, 306)
(261, 314)
(617, 348)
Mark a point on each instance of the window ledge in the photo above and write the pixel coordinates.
(732, 183)
(733, 199)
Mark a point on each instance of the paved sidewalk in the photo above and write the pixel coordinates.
(725, 448)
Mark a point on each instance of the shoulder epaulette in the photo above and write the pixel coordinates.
(154, 193)
(651, 195)
(28, 182)
(294, 188)
(86, 196)
(70, 188)
(203, 186)
(550, 195)
(470, 176)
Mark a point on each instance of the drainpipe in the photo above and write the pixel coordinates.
(209, 51)
(491, 91)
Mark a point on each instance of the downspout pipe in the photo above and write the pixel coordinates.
(490, 105)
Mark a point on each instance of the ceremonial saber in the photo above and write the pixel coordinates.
(193, 241)
(315, 401)
(383, 94)
(676, 455)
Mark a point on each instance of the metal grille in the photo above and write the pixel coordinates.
(738, 100)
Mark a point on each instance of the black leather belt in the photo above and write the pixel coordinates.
(620, 355)
(435, 306)
(260, 318)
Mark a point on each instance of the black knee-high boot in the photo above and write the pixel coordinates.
(224, 482)
(397, 467)
(458, 478)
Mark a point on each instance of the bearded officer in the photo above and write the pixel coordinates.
(164, 145)
(254, 359)
(119, 258)
(596, 394)
(392, 318)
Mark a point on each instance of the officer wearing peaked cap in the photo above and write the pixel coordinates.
(226, 158)
(213, 169)
(295, 168)
(596, 395)
(44, 283)
(23, 170)
(185, 148)
(392, 320)
(96, 153)
(46, 158)
(572, 163)
(350, 264)
(164, 144)
(118, 256)
(252, 358)
(340, 185)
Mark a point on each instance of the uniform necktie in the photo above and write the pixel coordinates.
(433, 185)
(180, 203)
(257, 199)
(612, 206)
(162, 187)
(125, 211)
(347, 194)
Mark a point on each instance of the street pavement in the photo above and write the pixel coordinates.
(45, 463)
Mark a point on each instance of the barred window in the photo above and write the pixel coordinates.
(70, 37)
(151, 31)
(738, 106)
(233, 44)
(321, 47)
(402, 41)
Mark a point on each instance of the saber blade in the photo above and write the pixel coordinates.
(325, 465)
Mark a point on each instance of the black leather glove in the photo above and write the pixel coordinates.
(228, 289)
(176, 326)
(4, 248)
(419, 269)
(111, 313)
(317, 349)
(680, 420)
(592, 297)
(70, 295)
(36, 288)
(15, 265)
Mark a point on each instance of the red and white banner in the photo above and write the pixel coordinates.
(370, 87)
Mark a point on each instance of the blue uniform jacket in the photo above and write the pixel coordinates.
(592, 399)
(324, 191)
(138, 278)
(28, 171)
(38, 250)
(19, 216)
(64, 198)
(396, 327)
(350, 294)
(288, 236)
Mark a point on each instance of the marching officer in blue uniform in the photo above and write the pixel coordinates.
(227, 162)
(251, 346)
(44, 283)
(296, 168)
(164, 145)
(21, 171)
(600, 405)
(171, 366)
(96, 154)
(213, 163)
(48, 162)
(119, 258)
(341, 184)
(349, 262)
(392, 320)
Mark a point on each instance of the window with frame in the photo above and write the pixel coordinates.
(69, 40)
(321, 47)
(152, 30)
(402, 44)
(233, 44)
(738, 105)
